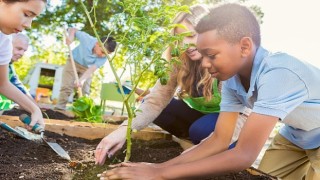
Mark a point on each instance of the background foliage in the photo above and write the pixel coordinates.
(47, 32)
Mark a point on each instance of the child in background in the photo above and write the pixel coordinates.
(15, 16)
(88, 57)
(276, 86)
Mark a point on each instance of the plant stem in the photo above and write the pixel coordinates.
(126, 103)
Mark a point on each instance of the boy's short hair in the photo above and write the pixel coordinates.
(109, 43)
(232, 22)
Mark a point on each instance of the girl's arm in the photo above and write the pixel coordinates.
(153, 104)
(13, 93)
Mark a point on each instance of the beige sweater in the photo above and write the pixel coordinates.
(158, 98)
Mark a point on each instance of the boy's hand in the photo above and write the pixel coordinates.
(68, 41)
(138, 171)
(70, 36)
(78, 84)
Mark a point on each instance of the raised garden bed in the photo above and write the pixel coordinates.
(47, 113)
(22, 159)
(53, 114)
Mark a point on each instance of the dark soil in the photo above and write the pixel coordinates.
(46, 113)
(23, 159)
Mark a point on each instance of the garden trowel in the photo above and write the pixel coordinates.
(21, 132)
(58, 149)
(54, 146)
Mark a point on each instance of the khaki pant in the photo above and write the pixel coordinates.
(67, 85)
(289, 162)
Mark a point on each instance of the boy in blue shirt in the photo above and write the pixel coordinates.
(276, 86)
(88, 57)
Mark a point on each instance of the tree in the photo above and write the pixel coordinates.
(146, 35)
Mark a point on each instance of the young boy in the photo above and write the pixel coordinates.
(276, 86)
(20, 43)
(88, 57)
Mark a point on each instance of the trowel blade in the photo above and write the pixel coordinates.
(59, 150)
(28, 135)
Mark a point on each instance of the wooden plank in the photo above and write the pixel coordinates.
(87, 130)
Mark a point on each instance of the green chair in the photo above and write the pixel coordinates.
(109, 92)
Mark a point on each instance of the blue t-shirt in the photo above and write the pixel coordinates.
(280, 86)
(83, 54)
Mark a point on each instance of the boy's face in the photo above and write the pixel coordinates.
(97, 50)
(19, 48)
(222, 59)
(15, 17)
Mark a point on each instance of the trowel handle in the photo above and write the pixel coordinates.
(6, 127)
(27, 120)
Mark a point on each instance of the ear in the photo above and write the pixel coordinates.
(246, 45)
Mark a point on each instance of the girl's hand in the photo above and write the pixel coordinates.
(36, 117)
(110, 145)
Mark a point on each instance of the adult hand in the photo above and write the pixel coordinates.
(110, 144)
(134, 171)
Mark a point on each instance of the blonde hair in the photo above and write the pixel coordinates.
(191, 72)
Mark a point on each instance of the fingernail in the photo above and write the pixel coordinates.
(98, 175)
